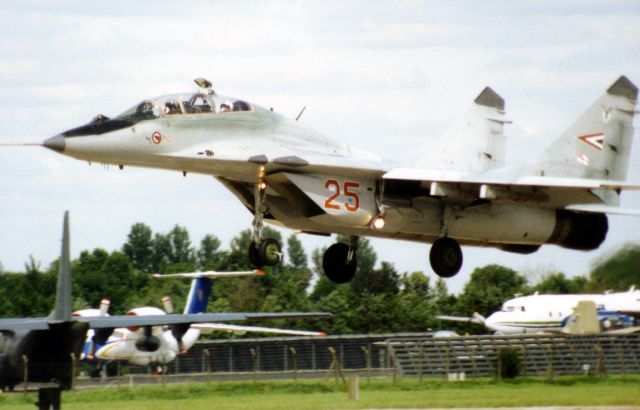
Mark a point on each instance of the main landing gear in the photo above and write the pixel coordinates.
(262, 251)
(340, 262)
(445, 257)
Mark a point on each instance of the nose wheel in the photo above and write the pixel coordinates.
(445, 257)
(267, 251)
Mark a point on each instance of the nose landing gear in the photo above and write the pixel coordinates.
(267, 251)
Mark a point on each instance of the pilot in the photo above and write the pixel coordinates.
(171, 107)
(226, 106)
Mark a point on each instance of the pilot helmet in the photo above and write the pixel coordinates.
(227, 104)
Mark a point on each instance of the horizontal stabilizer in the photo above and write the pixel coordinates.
(208, 274)
(603, 209)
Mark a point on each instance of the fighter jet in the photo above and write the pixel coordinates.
(461, 193)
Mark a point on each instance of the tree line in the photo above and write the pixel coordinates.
(379, 299)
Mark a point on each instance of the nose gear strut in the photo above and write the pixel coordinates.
(267, 251)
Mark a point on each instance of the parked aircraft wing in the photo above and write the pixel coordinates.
(25, 323)
(212, 327)
(159, 320)
(477, 320)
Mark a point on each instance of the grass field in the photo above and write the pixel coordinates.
(326, 394)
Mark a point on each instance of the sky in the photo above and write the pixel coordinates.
(387, 78)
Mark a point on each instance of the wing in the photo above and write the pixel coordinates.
(551, 192)
(174, 319)
(477, 319)
(211, 327)
(25, 323)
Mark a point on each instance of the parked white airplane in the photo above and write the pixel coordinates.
(460, 193)
(158, 345)
(617, 313)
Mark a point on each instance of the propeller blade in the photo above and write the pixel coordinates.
(104, 307)
(168, 304)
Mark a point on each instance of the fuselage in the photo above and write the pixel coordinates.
(315, 183)
(541, 313)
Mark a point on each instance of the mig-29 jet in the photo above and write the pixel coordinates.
(460, 193)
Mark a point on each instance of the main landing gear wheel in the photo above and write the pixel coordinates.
(266, 253)
(337, 265)
(445, 257)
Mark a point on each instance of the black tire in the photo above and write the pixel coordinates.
(334, 263)
(445, 257)
(254, 255)
(269, 252)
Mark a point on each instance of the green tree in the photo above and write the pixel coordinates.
(618, 271)
(181, 251)
(296, 253)
(488, 288)
(444, 303)
(558, 284)
(323, 286)
(417, 308)
(139, 247)
(210, 257)
(162, 253)
(99, 274)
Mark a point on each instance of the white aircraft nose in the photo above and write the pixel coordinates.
(56, 143)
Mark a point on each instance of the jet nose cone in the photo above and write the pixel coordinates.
(55, 143)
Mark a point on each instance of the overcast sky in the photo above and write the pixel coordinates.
(386, 78)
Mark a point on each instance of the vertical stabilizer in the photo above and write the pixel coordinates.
(198, 296)
(62, 309)
(598, 144)
(475, 141)
(584, 320)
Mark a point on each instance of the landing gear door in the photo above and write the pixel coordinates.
(345, 200)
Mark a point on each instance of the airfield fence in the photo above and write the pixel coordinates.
(540, 355)
(412, 355)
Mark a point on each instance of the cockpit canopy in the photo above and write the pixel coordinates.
(181, 104)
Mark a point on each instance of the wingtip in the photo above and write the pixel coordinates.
(623, 87)
(490, 98)
(259, 272)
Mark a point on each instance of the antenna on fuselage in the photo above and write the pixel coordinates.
(205, 84)
(301, 111)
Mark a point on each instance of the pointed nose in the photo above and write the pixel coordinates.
(55, 143)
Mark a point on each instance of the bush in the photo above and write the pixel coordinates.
(510, 363)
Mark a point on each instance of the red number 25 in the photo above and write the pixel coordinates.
(350, 206)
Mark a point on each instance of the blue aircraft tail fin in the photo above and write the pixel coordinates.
(198, 296)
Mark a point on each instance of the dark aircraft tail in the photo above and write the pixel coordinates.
(62, 309)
